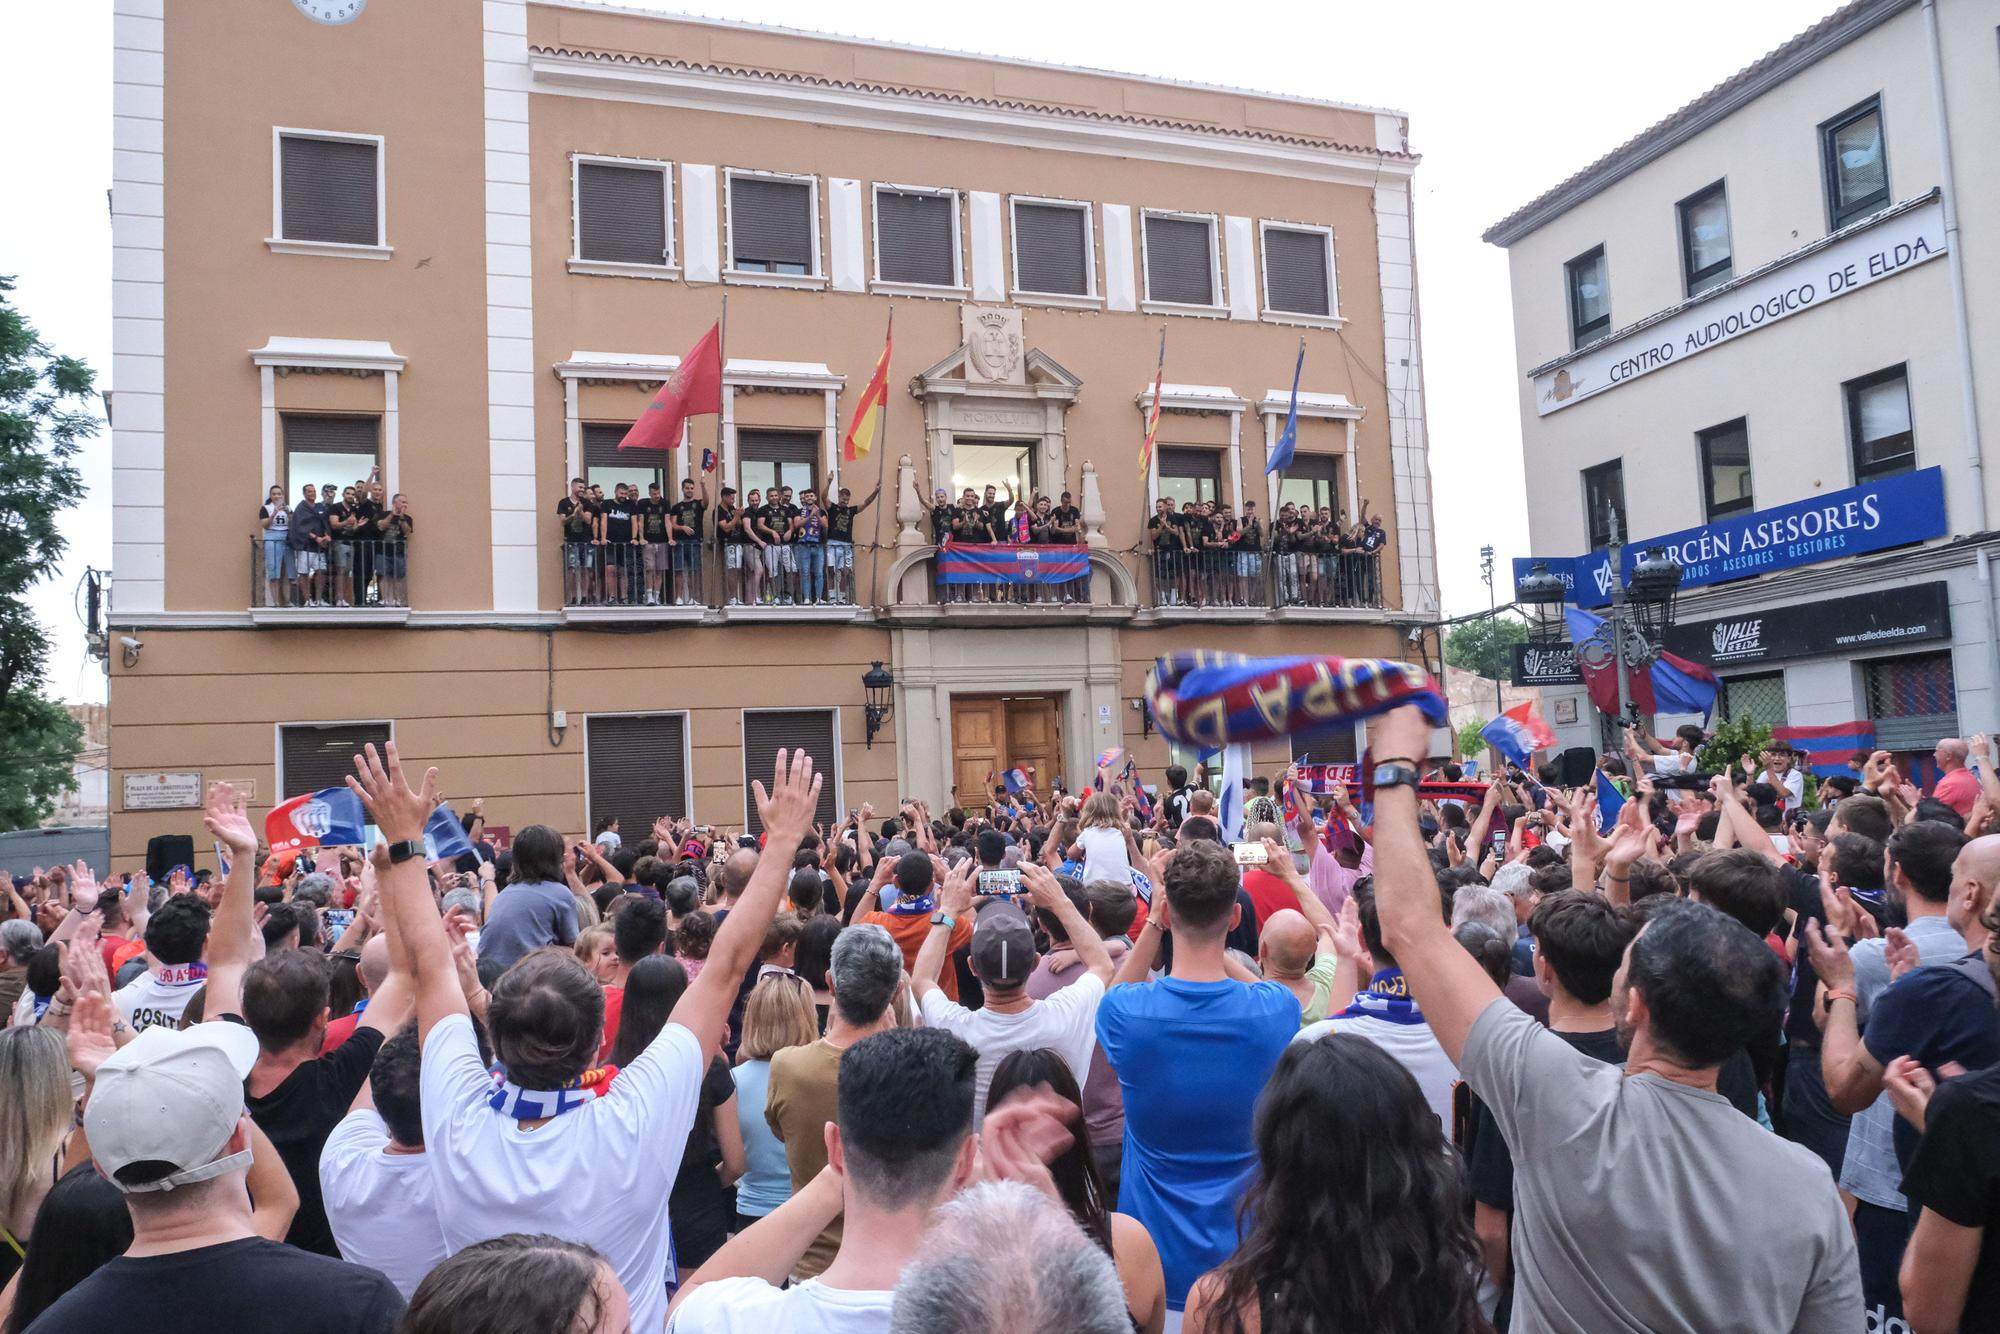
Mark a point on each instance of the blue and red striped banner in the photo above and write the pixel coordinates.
(1828, 746)
(1009, 563)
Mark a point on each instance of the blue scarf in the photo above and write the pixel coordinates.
(1387, 998)
(519, 1104)
(893, 900)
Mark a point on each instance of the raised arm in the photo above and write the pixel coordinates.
(954, 902)
(787, 812)
(232, 943)
(410, 917)
(1279, 862)
(1046, 893)
(1447, 982)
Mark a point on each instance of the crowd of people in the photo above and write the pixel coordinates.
(339, 546)
(1205, 556)
(1723, 1058)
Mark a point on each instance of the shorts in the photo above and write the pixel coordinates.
(788, 558)
(687, 555)
(1249, 564)
(772, 558)
(343, 555)
(732, 556)
(311, 562)
(840, 555)
(395, 562)
(576, 555)
(655, 558)
(277, 561)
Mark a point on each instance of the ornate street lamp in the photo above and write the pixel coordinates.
(1652, 592)
(1541, 595)
(878, 684)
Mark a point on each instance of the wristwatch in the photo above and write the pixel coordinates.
(403, 851)
(943, 919)
(1395, 775)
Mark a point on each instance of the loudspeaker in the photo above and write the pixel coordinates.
(1576, 767)
(166, 851)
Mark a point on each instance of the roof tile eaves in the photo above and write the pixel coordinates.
(963, 99)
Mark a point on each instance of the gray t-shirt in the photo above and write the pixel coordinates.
(1642, 1206)
(526, 917)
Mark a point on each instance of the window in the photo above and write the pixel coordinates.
(916, 237)
(1725, 467)
(1603, 496)
(773, 224)
(1335, 745)
(766, 731)
(329, 189)
(1180, 259)
(1190, 474)
(1004, 464)
(1589, 298)
(605, 465)
(313, 756)
(1705, 254)
(635, 770)
(777, 458)
(1052, 255)
(1878, 423)
(1856, 163)
(1298, 270)
(1311, 482)
(1757, 697)
(622, 211)
(1913, 700)
(323, 449)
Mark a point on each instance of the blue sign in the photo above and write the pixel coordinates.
(1875, 516)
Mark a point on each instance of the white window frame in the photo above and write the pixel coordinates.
(1220, 309)
(957, 289)
(278, 741)
(1331, 320)
(687, 749)
(1092, 299)
(732, 274)
(839, 751)
(344, 249)
(668, 268)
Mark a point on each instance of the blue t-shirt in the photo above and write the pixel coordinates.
(1192, 1059)
(1935, 1014)
(526, 917)
(766, 1182)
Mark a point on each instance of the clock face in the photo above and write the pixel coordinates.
(331, 11)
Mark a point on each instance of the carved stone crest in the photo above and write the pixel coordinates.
(993, 345)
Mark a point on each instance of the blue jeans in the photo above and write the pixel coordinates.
(812, 571)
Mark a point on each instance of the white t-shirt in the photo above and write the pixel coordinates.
(752, 1306)
(600, 1174)
(148, 1000)
(1675, 762)
(1104, 856)
(1065, 1021)
(382, 1206)
(1413, 1046)
(608, 839)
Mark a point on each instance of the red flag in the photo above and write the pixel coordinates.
(695, 388)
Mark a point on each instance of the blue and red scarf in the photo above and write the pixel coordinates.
(1208, 700)
(1387, 998)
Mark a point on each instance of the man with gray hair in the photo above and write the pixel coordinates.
(1492, 908)
(1003, 1257)
(864, 975)
(19, 939)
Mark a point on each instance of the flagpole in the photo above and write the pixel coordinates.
(721, 374)
(882, 466)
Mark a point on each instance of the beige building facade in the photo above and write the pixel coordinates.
(459, 245)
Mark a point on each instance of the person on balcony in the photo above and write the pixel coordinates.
(809, 544)
(972, 525)
(308, 537)
(688, 515)
(785, 515)
(369, 507)
(1373, 539)
(341, 527)
(1194, 565)
(1250, 556)
(943, 516)
(758, 521)
(1286, 534)
(274, 519)
(732, 535)
(1163, 533)
(1224, 588)
(394, 569)
(655, 520)
(620, 538)
(579, 529)
(840, 518)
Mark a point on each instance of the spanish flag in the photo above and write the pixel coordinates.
(873, 404)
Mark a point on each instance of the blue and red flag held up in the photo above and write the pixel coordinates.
(1206, 699)
(1010, 563)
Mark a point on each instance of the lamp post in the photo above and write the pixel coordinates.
(878, 684)
(1486, 573)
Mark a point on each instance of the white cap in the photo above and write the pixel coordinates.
(172, 1097)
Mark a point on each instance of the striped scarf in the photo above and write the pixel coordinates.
(1387, 998)
(519, 1104)
(1209, 700)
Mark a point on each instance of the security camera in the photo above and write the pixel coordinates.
(131, 647)
(1416, 634)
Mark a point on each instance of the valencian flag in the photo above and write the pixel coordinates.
(695, 388)
(872, 406)
(1204, 699)
(1009, 564)
(1671, 685)
(1153, 413)
(1518, 733)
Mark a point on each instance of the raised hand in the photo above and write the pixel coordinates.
(1027, 1131)
(399, 812)
(787, 808)
(1909, 1087)
(1044, 891)
(92, 1036)
(223, 817)
(1347, 939)
(1829, 957)
(1900, 953)
(956, 897)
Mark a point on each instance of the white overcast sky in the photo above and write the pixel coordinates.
(1504, 100)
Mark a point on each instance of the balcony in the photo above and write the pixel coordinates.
(914, 594)
(1260, 585)
(692, 582)
(345, 583)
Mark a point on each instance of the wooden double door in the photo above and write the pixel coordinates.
(991, 734)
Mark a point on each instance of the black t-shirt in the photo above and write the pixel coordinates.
(970, 524)
(1066, 521)
(300, 1113)
(367, 518)
(1802, 895)
(781, 520)
(996, 516)
(579, 518)
(1251, 537)
(339, 519)
(653, 519)
(252, 1286)
(689, 514)
(1956, 1175)
(1197, 529)
(769, 520)
(700, 1208)
(840, 522)
(1490, 1163)
(1164, 531)
(397, 528)
(725, 515)
(1373, 538)
(618, 515)
(941, 517)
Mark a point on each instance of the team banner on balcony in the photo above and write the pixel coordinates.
(1012, 564)
(1875, 516)
(1892, 241)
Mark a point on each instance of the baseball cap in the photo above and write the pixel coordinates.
(1003, 945)
(171, 1097)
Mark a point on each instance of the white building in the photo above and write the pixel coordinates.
(1818, 472)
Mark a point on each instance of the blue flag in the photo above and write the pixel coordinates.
(444, 836)
(1288, 439)
(1609, 802)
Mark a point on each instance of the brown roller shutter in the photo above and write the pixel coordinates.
(321, 755)
(1295, 271)
(621, 214)
(600, 447)
(328, 190)
(770, 222)
(779, 446)
(637, 770)
(914, 240)
(313, 433)
(1051, 244)
(765, 732)
(1180, 261)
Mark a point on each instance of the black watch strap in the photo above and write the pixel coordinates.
(405, 850)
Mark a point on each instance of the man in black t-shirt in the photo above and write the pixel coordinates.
(784, 517)
(341, 527)
(943, 517)
(840, 517)
(732, 537)
(761, 522)
(654, 516)
(996, 513)
(1163, 532)
(579, 527)
(619, 537)
(1951, 1268)
(159, 1108)
(1199, 535)
(1250, 554)
(370, 505)
(688, 515)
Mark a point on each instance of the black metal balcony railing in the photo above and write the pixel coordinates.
(1219, 580)
(689, 574)
(338, 575)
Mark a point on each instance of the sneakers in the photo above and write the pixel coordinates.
(652, 598)
(343, 602)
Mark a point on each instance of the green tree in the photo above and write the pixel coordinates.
(1485, 646)
(1470, 743)
(45, 415)
(1730, 742)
